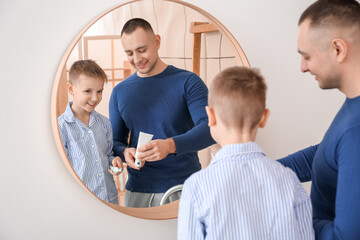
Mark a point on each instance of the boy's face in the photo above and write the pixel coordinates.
(141, 48)
(87, 93)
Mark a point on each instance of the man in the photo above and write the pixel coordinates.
(161, 100)
(329, 44)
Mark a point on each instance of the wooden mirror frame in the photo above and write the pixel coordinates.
(167, 211)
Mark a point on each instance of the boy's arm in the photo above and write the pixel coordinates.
(301, 162)
(347, 209)
(113, 161)
(63, 137)
(109, 139)
(303, 210)
(196, 94)
(189, 225)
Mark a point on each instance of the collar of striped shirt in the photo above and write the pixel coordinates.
(70, 117)
(237, 149)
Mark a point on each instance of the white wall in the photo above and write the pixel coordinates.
(39, 198)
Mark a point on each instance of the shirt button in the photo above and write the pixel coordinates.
(100, 174)
(102, 188)
(97, 160)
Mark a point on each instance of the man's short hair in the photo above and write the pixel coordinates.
(88, 68)
(333, 13)
(238, 96)
(131, 25)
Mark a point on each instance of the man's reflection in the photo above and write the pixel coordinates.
(162, 100)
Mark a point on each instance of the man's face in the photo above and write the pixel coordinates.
(317, 56)
(87, 93)
(141, 48)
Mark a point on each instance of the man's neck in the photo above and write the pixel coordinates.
(351, 82)
(159, 68)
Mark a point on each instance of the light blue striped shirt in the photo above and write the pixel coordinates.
(243, 194)
(89, 150)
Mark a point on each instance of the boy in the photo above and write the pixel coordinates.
(87, 135)
(242, 194)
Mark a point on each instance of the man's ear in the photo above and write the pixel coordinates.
(69, 88)
(157, 41)
(340, 49)
(264, 118)
(211, 116)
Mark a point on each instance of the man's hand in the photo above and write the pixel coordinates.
(129, 155)
(116, 162)
(156, 150)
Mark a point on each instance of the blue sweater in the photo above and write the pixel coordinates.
(170, 104)
(334, 168)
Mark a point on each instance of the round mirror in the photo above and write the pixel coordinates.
(191, 39)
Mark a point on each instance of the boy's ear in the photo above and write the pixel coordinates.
(69, 87)
(264, 118)
(211, 116)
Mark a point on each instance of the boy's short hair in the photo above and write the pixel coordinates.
(238, 96)
(88, 68)
(131, 25)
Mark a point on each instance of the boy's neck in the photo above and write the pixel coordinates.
(236, 137)
(83, 116)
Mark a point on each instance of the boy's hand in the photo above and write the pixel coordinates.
(129, 155)
(156, 150)
(116, 162)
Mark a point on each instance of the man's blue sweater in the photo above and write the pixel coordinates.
(334, 168)
(170, 104)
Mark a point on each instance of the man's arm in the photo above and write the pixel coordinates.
(301, 162)
(189, 225)
(196, 95)
(120, 134)
(119, 129)
(347, 207)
